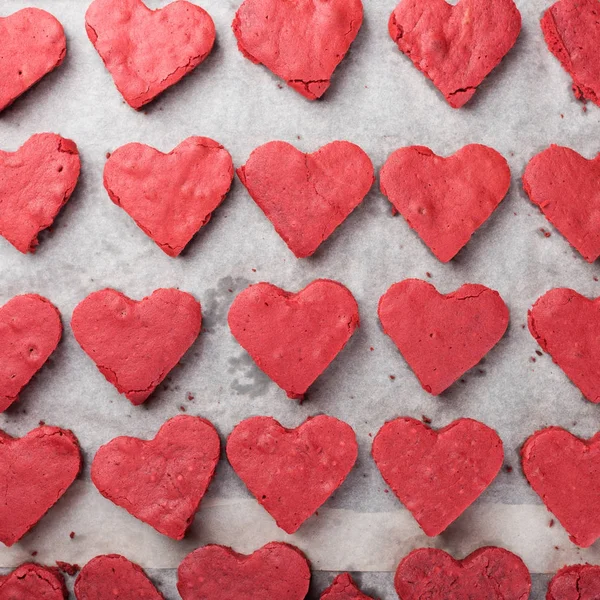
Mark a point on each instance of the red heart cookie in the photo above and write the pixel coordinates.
(307, 196)
(32, 43)
(445, 200)
(35, 471)
(33, 582)
(437, 475)
(292, 472)
(302, 42)
(274, 572)
(563, 470)
(344, 588)
(112, 576)
(576, 582)
(442, 336)
(455, 46)
(35, 183)
(170, 196)
(146, 51)
(567, 326)
(294, 337)
(30, 330)
(564, 186)
(572, 32)
(487, 574)
(136, 344)
(161, 481)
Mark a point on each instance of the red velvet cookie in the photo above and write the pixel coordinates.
(33, 582)
(35, 183)
(294, 337)
(564, 186)
(307, 196)
(32, 43)
(455, 46)
(35, 471)
(292, 472)
(344, 588)
(274, 572)
(567, 326)
(135, 344)
(437, 475)
(572, 32)
(575, 582)
(442, 336)
(170, 196)
(563, 470)
(146, 51)
(302, 42)
(30, 330)
(111, 577)
(445, 200)
(487, 574)
(161, 481)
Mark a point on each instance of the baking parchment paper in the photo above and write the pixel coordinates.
(381, 102)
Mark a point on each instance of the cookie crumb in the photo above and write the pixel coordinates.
(551, 523)
(34, 553)
(72, 534)
(546, 233)
(42, 423)
(68, 568)
(190, 396)
(392, 377)
(429, 274)
(183, 408)
(425, 419)
(508, 469)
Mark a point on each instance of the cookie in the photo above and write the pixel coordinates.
(487, 574)
(146, 51)
(30, 581)
(437, 475)
(458, 46)
(564, 186)
(294, 337)
(36, 181)
(135, 344)
(445, 200)
(274, 572)
(344, 588)
(30, 330)
(575, 582)
(292, 472)
(307, 196)
(35, 471)
(572, 32)
(32, 43)
(563, 470)
(161, 481)
(302, 42)
(112, 576)
(567, 326)
(170, 196)
(442, 336)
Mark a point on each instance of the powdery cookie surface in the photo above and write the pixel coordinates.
(344, 588)
(575, 582)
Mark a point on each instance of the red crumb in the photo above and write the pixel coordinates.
(34, 553)
(392, 377)
(370, 435)
(386, 491)
(254, 270)
(532, 359)
(425, 419)
(508, 469)
(595, 278)
(42, 423)
(545, 232)
(539, 353)
(522, 326)
(182, 408)
(551, 523)
(371, 348)
(68, 568)
(428, 274)
(190, 396)
(562, 116)
(72, 534)
(230, 291)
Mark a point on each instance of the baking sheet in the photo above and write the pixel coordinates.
(381, 102)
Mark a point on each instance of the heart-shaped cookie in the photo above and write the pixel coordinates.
(30, 581)
(566, 188)
(575, 582)
(161, 481)
(567, 326)
(292, 472)
(344, 588)
(274, 572)
(442, 336)
(32, 43)
(572, 32)
(307, 196)
(437, 475)
(294, 337)
(487, 574)
(30, 330)
(146, 51)
(136, 343)
(35, 471)
(112, 576)
(170, 196)
(445, 200)
(563, 470)
(35, 183)
(455, 46)
(302, 42)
